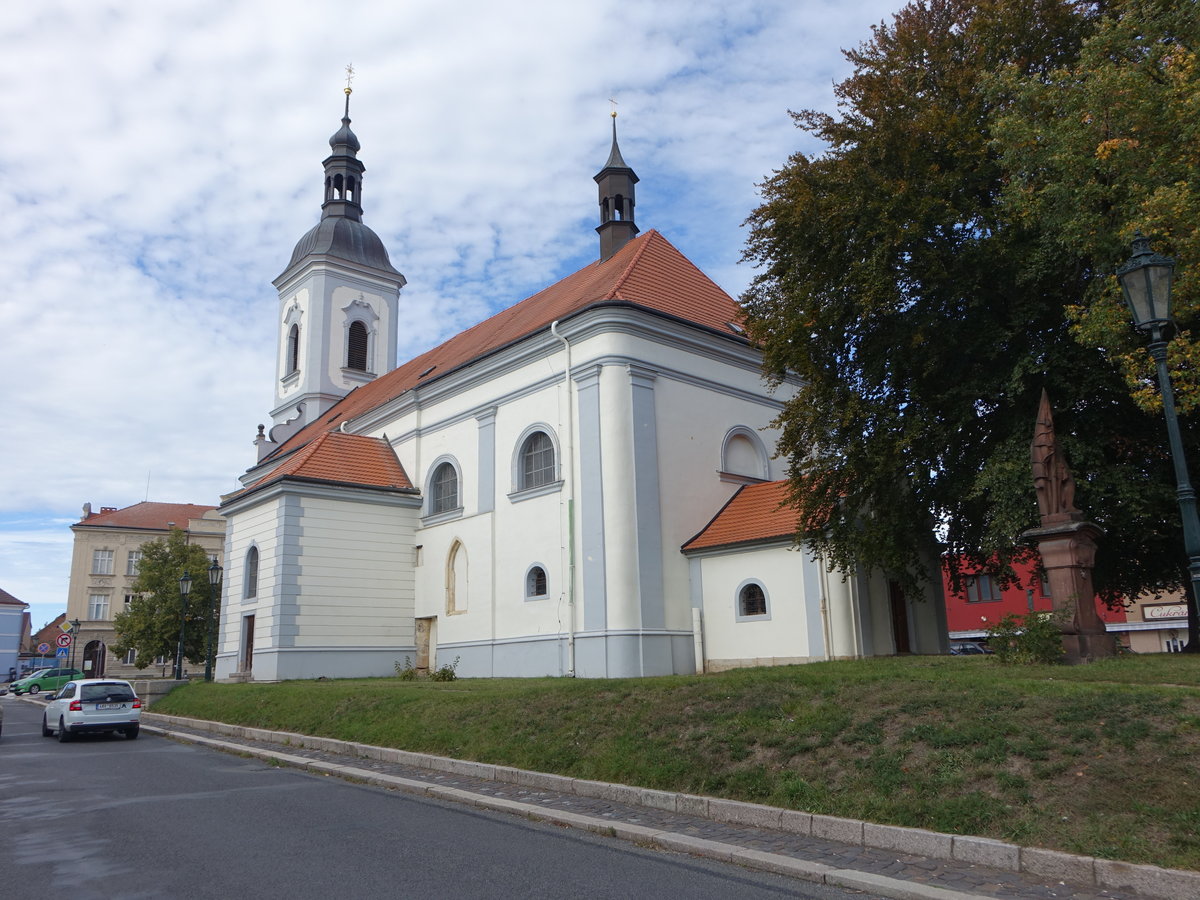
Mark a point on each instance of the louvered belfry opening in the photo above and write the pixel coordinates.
(356, 347)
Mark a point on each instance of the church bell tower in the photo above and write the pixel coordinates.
(338, 301)
(616, 181)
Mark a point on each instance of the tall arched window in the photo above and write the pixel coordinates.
(293, 349)
(356, 347)
(444, 489)
(537, 461)
(251, 581)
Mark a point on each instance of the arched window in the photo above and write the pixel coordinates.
(537, 461)
(751, 601)
(356, 347)
(444, 489)
(251, 580)
(293, 349)
(743, 456)
(535, 583)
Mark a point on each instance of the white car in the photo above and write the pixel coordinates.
(92, 705)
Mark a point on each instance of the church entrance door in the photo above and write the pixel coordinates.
(247, 644)
(94, 655)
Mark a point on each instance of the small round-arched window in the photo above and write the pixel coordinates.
(535, 583)
(752, 601)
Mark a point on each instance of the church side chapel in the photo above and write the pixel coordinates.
(581, 485)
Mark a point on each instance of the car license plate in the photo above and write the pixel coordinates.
(109, 705)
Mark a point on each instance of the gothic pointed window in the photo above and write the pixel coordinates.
(293, 349)
(356, 347)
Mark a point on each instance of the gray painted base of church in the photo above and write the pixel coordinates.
(596, 656)
(323, 662)
(625, 655)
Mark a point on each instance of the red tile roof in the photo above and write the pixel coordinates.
(9, 600)
(757, 512)
(146, 516)
(648, 272)
(339, 458)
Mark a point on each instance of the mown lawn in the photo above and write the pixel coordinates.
(1102, 760)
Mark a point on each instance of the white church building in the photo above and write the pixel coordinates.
(581, 485)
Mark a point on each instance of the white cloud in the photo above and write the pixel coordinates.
(160, 160)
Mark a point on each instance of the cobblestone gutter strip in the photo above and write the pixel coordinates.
(1105, 877)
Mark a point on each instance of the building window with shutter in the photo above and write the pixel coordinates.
(356, 347)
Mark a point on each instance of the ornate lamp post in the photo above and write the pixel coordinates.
(214, 583)
(1146, 281)
(185, 588)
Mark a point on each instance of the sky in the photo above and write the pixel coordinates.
(160, 160)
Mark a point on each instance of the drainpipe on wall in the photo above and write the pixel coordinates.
(569, 478)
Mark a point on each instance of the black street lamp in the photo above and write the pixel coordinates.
(74, 639)
(1146, 281)
(185, 588)
(214, 584)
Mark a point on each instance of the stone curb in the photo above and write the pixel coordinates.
(1147, 880)
(894, 889)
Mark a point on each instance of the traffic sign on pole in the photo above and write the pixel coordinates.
(65, 626)
(43, 648)
(63, 640)
(61, 652)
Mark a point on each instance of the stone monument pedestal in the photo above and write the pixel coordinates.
(1068, 550)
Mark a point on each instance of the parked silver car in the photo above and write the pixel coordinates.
(90, 706)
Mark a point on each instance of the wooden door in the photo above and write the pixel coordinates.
(247, 644)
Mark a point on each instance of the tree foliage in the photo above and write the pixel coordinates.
(150, 623)
(1106, 145)
(925, 295)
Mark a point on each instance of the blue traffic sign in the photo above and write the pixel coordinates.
(63, 652)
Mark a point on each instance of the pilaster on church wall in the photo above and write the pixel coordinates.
(620, 503)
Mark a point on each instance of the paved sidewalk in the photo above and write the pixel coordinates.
(879, 873)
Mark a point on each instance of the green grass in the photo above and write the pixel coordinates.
(1102, 760)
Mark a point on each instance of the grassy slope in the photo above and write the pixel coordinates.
(1102, 760)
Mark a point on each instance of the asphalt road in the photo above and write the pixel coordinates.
(104, 817)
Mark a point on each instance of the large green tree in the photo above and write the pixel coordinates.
(1098, 149)
(896, 281)
(150, 623)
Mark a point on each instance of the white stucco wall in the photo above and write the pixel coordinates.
(783, 635)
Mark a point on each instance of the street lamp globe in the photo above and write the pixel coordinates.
(185, 585)
(214, 573)
(1146, 282)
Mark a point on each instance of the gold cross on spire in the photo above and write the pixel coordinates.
(614, 106)
(349, 78)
